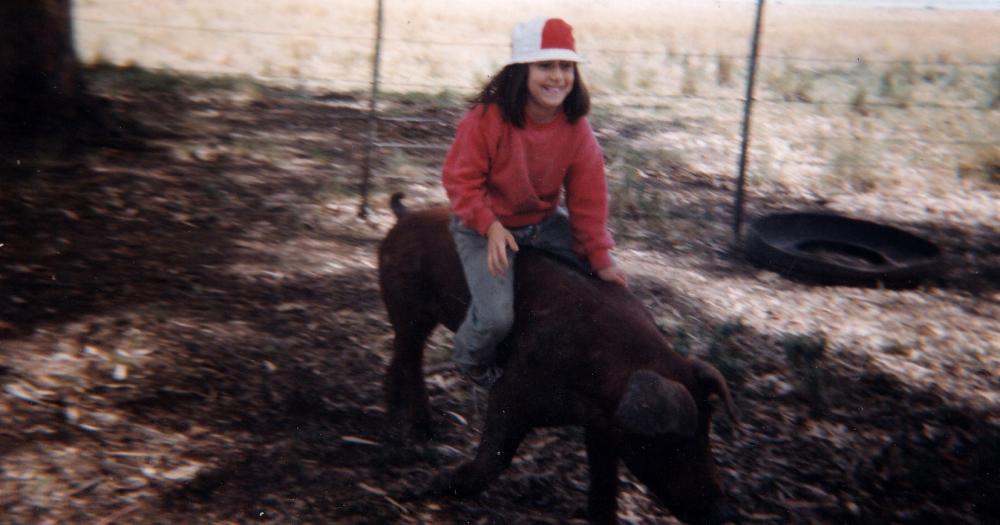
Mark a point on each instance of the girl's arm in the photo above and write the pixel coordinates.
(587, 200)
(464, 173)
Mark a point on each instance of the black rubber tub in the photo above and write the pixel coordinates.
(833, 249)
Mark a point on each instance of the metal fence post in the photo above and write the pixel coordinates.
(752, 72)
(372, 117)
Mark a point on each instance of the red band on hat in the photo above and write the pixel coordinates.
(557, 34)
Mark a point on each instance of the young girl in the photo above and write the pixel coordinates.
(525, 138)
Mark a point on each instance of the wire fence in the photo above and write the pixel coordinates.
(504, 45)
(911, 95)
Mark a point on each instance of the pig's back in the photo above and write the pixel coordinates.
(581, 317)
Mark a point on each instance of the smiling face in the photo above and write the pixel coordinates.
(549, 83)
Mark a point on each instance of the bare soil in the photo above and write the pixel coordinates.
(191, 332)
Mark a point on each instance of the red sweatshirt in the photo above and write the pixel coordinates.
(495, 171)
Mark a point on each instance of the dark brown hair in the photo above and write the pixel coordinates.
(509, 90)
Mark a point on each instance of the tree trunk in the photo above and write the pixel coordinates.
(42, 95)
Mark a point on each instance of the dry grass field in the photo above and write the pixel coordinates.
(890, 100)
(310, 36)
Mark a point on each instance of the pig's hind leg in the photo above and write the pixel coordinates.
(409, 411)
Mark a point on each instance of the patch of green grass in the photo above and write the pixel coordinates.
(634, 193)
(166, 80)
(413, 101)
(993, 88)
(679, 337)
(805, 355)
(724, 352)
(623, 154)
(636, 184)
(682, 342)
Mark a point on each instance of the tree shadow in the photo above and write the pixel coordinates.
(906, 455)
(864, 446)
(299, 385)
(135, 225)
(971, 256)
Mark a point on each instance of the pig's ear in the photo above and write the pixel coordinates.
(653, 405)
(714, 383)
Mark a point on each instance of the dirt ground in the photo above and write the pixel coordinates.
(191, 332)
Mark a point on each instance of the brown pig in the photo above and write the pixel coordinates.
(581, 352)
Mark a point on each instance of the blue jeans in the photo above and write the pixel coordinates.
(491, 310)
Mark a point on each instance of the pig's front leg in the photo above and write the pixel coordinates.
(505, 429)
(602, 502)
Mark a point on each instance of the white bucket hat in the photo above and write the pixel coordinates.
(542, 39)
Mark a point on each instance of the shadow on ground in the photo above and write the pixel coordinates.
(286, 362)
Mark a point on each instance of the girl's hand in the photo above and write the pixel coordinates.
(498, 239)
(613, 274)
